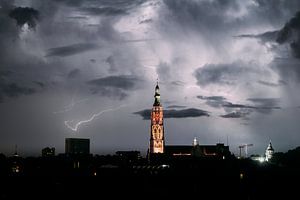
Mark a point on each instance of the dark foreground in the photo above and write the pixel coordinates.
(218, 179)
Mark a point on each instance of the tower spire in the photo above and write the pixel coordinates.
(156, 95)
(157, 126)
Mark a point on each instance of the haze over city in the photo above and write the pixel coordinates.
(227, 71)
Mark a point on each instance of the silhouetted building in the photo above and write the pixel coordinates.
(16, 163)
(269, 152)
(129, 157)
(48, 152)
(76, 146)
(132, 155)
(206, 151)
(157, 142)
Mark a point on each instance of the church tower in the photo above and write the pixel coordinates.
(157, 142)
(269, 152)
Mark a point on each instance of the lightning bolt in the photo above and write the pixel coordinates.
(75, 128)
(70, 106)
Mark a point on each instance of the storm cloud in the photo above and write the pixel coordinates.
(115, 86)
(289, 34)
(70, 50)
(262, 105)
(285, 43)
(184, 113)
(265, 103)
(25, 15)
(237, 114)
(176, 106)
(213, 101)
(103, 11)
(226, 74)
(270, 84)
(82, 57)
(13, 90)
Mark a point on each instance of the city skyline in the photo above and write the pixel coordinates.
(227, 71)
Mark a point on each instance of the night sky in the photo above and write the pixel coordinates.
(88, 68)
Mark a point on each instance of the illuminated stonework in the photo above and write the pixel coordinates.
(157, 126)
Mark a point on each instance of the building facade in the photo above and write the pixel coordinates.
(77, 146)
(157, 143)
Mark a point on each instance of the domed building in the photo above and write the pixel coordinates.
(269, 152)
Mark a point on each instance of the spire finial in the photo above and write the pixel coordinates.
(157, 95)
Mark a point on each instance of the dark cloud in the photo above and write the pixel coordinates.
(71, 49)
(124, 82)
(289, 34)
(74, 73)
(290, 31)
(237, 114)
(145, 21)
(105, 8)
(176, 106)
(270, 84)
(213, 98)
(40, 84)
(184, 113)
(190, 112)
(25, 15)
(203, 15)
(266, 102)
(13, 90)
(232, 105)
(264, 37)
(262, 105)
(103, 11)
(216, 19)
(227, 74)
(213, 101)
(115, 86)
(118, 4)
(275, 12)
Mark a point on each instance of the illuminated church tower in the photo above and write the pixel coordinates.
(157, 142)
(269, 152)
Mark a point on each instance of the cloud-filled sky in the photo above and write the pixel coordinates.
(88, 68)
